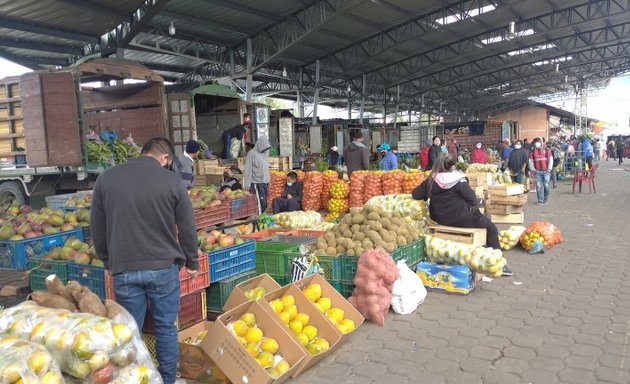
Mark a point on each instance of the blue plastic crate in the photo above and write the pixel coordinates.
(15, 254)
(90, 276)
(231, 252)
(73, 209)
(231, 268)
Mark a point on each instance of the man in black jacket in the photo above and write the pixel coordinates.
(434, 152)
(517, 163)
(236, 132)
(291, 198)
(143, 230)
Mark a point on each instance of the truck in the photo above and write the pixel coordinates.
(46, 116)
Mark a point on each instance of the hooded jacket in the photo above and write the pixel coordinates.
(357, 157)
(424, 158)
(257, 164)
(452, 200)
(389, 162)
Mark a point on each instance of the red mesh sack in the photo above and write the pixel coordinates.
(312, 193)
(372, 185)
(357, 184)
(392, 182)
(276, 186)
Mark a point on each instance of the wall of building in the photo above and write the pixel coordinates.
(532, 121)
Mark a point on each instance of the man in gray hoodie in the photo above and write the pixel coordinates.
(256, 178)
(357, 155)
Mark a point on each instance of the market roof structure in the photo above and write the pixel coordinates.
(462, 55)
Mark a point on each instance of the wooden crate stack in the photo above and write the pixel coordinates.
(506, 203)
(280, 163)
(11, 122)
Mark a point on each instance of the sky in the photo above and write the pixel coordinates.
(611, 104)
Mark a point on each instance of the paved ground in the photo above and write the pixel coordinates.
(568, 321)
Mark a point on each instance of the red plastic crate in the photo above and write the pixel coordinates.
(193, 284)
(305, 232)
(266, 233)
(192, 310)
(207, 217)
(243, 207)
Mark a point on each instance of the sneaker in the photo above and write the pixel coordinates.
(541, 203)
(545, 202)
(507, 271)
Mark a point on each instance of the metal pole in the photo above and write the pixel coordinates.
(232, 69)
(364, 90)
(316, 96)
(300, 102)
(349, 105)
(250, 60)
(396, 106)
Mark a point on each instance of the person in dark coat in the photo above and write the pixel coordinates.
(517, 162)
(619, 146)
(357, 155)
(291, 198)
(236, 132)
(333, 157)
(453, 202)
(230, 181)
(434, 151)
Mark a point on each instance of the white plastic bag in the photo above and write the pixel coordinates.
(408, 292)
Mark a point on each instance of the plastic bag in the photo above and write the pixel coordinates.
(510, 237)
(408, 292)
(91, 348)
(546, 232)
(235, 148)
(26, 362)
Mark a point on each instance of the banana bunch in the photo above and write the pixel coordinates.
(98, 152)
(123, 150)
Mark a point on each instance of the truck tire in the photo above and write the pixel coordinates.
(11, 191)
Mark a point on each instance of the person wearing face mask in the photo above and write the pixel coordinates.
(389, 161)
(478, 155)
(291, 198)
(143, 230)
(540, 163)
(256, 178)
(434, 151)
(517, 163)
(230, 181)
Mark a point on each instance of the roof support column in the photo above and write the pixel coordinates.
(396, 106)
(232, 70)
(250, 61)
(300, 102)
(316, 96)
(363, 92)
(349, 105)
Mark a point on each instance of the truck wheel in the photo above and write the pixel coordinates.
(11, 192)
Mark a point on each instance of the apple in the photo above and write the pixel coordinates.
(226, 241)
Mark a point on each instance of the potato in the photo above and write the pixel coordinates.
(331, 251)
(373, 216)
(358, 219)
(355, 228)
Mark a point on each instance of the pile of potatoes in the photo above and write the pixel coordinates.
(367, 228)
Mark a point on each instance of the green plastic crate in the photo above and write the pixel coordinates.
(330, 264)
(282, 280)
(218, 293)
(346, 288)
(411, 253)
(271, 257)
(40, 269)
(348, 267)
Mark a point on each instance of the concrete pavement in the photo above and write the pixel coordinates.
(564, 317)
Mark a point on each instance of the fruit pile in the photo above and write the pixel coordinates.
(216, 240)
(276, 185)
(338, 203)
(236, 194)
(298, 219)
(26, 362)
(487, 261)
(19, 223)
(255, 293)
(357, 184)
(83, 201)
(90, 348)
(206, 197)
(542, 231)
(299, 324)
(411, 180)
(510, 237)
(392, 182)
(366, 228)
(312, 191)
(330, 178)
(75, 249)
(263, 349)
(335, 315)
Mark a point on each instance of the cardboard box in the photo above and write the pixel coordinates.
(237, 297)
(324, 327)
(498, 209)
(194, 363)
(506, 190)
(457, 279)
(232, 358)
(479, 179)
(338, 301)
(514, 218)
(509, 200)
(476, 236)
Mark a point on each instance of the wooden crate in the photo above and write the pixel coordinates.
(480, 192)
(514, 218)
(281, 163)
(506, 190)
(479, 179)
(476, 236)
(509, 200)
(201, 165)
(503, 209)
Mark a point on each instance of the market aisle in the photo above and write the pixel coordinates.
(564, 317)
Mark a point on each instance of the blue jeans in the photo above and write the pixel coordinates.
(161, 288)
(542, 181)
(227, 141)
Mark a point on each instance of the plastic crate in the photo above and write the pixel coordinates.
(348, 267)
(270, 257)
(218, 293)
(192, 284)
(91, 276)
(59, 201)
(192, 310)
(346, 288)
(306, 232)
(15, 254)
(149, 341)
(243, 207)
(291, 239)
(233, 267)
(331, 265)
(73, 209)
(224, 254)
(109, 286)
(207, 217)
(411, 253)
(265, 233)
(282, 280)
(87, 234)
(40, 269)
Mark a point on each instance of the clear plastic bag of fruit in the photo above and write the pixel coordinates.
(401, 203)
(508, 238)
(26, 362)
(91, 348)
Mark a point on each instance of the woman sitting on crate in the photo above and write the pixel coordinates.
(291, 198)
(453, 202)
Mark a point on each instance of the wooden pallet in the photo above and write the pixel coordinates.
(514, 218)
(476, 236)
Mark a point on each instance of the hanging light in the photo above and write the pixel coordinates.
(557, 67)
(171, 29)
(284, 72)
(511, 30)
(566, 78)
